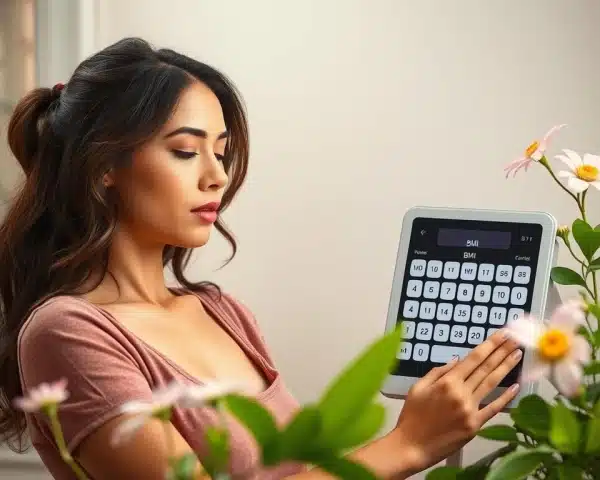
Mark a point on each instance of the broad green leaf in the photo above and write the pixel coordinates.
(299, 435)
(218, 450)
(353, 390)
(565, 471)
(444, 473)
(532, 414)
(183, 468)
(254, 416)
(519, 464)
(592, 369)
(365, 427)
(587, 238)
(495, 455)
(565, 430)
(566, 276)
(503, 433)
(346, 469)
(592, 444)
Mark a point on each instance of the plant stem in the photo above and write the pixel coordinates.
(52, 412)
(547, 166)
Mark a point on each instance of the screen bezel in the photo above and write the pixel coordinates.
(398, 386)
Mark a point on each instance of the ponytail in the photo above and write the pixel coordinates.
(28, 131)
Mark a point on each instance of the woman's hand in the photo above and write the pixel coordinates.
(441, 412)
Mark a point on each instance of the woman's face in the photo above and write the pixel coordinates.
(171, 190)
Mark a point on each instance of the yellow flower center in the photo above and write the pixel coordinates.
(553, 345)
(587, 173)
(531, 149)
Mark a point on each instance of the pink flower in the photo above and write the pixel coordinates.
(534, 152)
(559, 350)
(163, 400)
(43, 396)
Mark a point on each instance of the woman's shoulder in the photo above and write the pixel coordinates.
(62, 323)
(62, 312)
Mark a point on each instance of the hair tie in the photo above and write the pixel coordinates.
(57, 89)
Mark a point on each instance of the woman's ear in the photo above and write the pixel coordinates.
(108, 180)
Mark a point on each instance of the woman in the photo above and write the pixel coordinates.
(127, 169)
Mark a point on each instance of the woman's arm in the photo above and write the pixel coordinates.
(441, 413)
(144, 456)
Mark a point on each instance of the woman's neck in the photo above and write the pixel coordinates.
(135, 273)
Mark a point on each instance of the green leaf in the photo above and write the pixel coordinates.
(519, 464)
(183, 468)
(444, 473)
(592, 444)
(254, 416)
(532, 415)
(592, 368)
(595, 264)
(297, 438)
(345, 469)
(353, 390)
(503, 433)
(566, 276)
(365, 427)
(592, 393)
(218, 450)
(587, 238)
(566, 471)
(565, 430)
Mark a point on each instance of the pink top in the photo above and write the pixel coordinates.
(106, 366)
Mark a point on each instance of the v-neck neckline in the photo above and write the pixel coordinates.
(218, 314)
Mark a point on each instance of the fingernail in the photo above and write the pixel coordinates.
(504, 334)
(514, 387)
(517, 354)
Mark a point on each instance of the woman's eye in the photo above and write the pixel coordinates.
(184, 154)
(219, 157)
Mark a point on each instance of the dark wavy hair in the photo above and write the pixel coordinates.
(60, 225)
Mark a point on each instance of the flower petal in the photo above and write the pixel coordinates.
(567, 377)
(536, 370)
(551, 133)
(136, 406)
(525, 330)
(565, 174)
(574, 157)
(127, 429)
(581, 350)
(595, 184)
(593, 160)
(196, 396)
(567, 161)
(568, 316)
(577, 185)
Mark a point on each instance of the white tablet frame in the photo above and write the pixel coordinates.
(397, 386)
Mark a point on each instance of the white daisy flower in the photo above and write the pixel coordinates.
(559, 350)
(582, 172)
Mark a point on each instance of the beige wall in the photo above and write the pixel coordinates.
(359, 110)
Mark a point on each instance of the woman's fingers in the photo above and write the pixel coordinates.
(501, 356)
(436, 373)
(490, 382)
(495, 407)
(479, 355)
